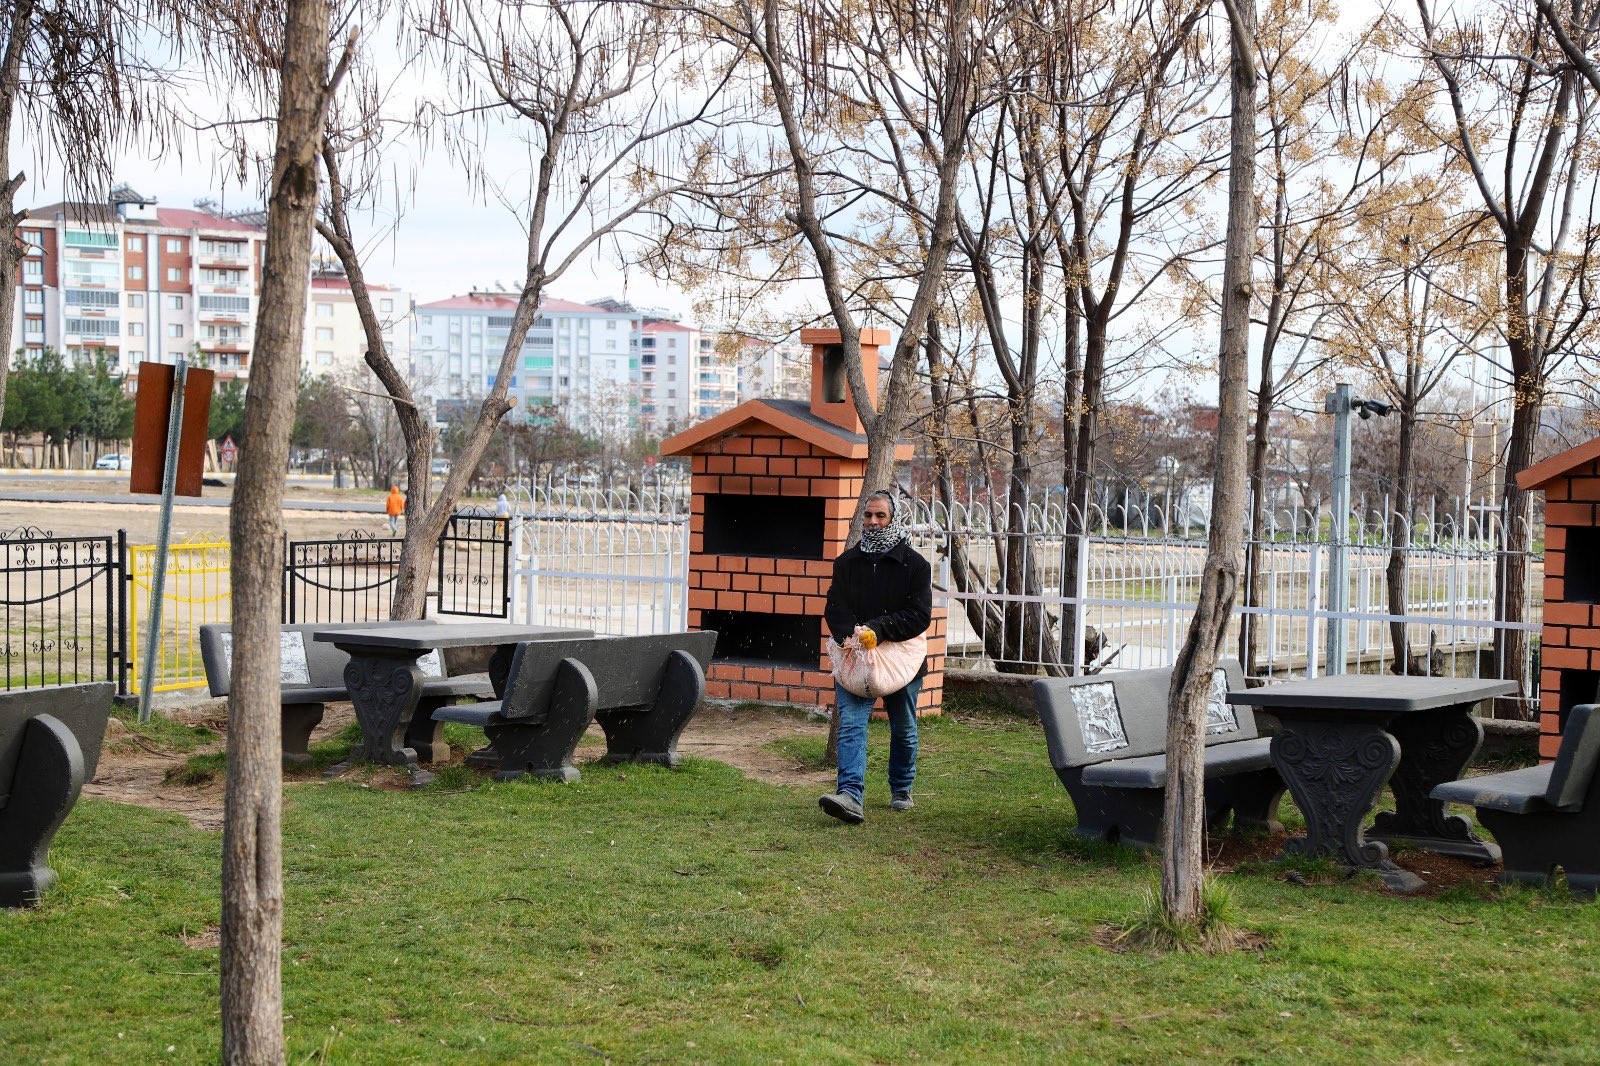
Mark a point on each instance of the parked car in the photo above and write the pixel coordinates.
(114, 462)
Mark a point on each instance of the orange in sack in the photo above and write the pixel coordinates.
(878, 671)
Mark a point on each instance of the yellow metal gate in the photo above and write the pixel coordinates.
(197, 591)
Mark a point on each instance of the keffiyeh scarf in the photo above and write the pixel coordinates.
(878, 541)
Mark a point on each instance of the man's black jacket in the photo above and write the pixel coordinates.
(890, 593)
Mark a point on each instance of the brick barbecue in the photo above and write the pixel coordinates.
(1569, 652)
(775, 485)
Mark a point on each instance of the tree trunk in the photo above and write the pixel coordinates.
(252, 864)
(1511, 589)
(1183, 828)
(17, 35)
(1400, 539)
(1255, 584)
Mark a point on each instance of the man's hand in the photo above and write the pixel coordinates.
(866, 637)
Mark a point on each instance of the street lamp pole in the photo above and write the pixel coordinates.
(1338, 405)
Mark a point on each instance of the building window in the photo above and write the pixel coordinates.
(175, 245)
(32, 268)
(324, 333)
(611, 323)
(324, 310)
(324, 358)
(135, 354)
(174, 273)
(174, 303)
(136, 273)
(135, 299)
(671, 376)
(135, 244)
(386, 305)
(81, 239)
(672, 394)
(135, 329)
(32, 298)
(175, 329)
(611, 346)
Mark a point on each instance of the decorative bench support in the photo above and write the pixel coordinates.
(643, 690)
(1107, 739)
(313, 676)
(49, 746)
(1545, 816)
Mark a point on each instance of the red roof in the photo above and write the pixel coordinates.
(1539, 475)
(182, 218)
(343, 285)
(507, 302)
(666, 327)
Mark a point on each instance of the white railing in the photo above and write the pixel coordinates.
(616, 561)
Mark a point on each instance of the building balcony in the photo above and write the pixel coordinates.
(32, 336)
(218, 259)
(222, 317)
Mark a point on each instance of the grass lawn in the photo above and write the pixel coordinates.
(643, 915)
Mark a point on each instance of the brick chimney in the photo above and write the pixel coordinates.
(830, 388)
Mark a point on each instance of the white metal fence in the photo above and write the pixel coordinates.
(617, 562)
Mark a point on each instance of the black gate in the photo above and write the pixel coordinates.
(64, 608)
(474, 573)
(347, 579)
(351, 578)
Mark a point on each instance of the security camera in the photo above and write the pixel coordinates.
(1368, 408)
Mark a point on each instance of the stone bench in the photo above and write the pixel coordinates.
(642, 689)
(1107, 735)
(49, 746)
(1545, 816)
(313, 677)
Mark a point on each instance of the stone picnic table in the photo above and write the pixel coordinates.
(1344, 736)
(385, 680)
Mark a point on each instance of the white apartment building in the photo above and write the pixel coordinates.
(139, 282)
(335, 341)
(779, 371)
(578, 362)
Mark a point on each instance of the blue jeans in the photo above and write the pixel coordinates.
(853, 712)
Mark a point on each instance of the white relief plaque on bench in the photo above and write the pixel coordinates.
(1220, 717)
(292, 668)
(431, 664)
(1099, 718)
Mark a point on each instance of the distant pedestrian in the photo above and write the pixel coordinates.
(502, 507)
(395, 506)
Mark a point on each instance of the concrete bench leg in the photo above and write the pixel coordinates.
(424, 735)
(299, 719)
(1533, 845)
(651, 734)
(48, 780)
(1253, 797)
(1117, 816)
(543, 746)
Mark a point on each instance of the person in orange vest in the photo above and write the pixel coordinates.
(395, 505)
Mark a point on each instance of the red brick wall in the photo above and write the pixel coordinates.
(1570, 639)
(773, 465)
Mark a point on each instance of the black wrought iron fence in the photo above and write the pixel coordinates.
(351, 578)
(474, 565)
(347, 579)
(63, 608)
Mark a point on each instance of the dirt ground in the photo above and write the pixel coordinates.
(133, 771)
(139, 519)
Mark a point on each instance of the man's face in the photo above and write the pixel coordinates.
(875, 515)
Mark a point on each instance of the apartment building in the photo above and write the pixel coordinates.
(779, 371)
(138, 282)
(335, 340)
(578, 362)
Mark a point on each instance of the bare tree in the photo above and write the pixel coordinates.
(1518, 119)
(1183, 825)
(252, 863)
(593, 89)
(76, 73)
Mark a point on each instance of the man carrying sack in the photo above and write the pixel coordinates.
(879, 608)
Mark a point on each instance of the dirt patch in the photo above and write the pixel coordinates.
(1441, 872)
(133, 770)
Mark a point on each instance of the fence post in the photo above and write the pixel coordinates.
(514, 602)
(1313, 580)
(123, 663)
(1080, 591)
